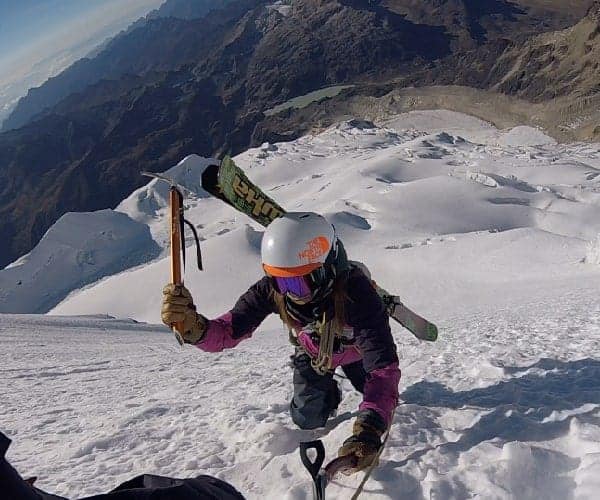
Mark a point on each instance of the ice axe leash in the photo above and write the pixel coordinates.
(177, 223)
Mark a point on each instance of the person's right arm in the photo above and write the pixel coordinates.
(226, 331)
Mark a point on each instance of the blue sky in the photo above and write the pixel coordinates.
(22, 20)
(32, 30)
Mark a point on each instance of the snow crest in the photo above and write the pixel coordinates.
(79, 249)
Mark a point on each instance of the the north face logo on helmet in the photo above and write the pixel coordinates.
(315, 248)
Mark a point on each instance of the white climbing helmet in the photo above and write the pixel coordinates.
(301, 254)
(296, 244)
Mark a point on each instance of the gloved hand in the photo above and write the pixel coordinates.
(365, 441)
(178, 306)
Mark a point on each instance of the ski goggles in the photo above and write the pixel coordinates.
(297, 286)
(300, 287)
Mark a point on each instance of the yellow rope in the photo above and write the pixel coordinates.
(324, 360)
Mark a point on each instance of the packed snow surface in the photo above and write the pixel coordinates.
(491, 234)
(505, 405)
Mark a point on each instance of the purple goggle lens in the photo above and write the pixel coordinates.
(297, 286)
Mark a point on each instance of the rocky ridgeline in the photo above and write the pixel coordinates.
(556, 64)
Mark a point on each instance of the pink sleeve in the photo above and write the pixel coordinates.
(381, 391)
(218, 336)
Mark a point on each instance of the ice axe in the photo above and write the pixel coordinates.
(346, 464)
(177, 223)
(322, 476)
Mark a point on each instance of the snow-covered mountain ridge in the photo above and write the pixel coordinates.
(412, 199)
(79, 249)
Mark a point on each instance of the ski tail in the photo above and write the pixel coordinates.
(415, 324)
(230, 184)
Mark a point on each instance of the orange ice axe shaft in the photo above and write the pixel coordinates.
(176, 216)
(176, 225)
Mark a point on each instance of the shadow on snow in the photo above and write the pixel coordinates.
(521, 408)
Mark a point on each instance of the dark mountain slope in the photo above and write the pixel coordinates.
(160, 44)
(555, 64)
(187, 9)
(542, 67)
(322, 43)
(150, 122)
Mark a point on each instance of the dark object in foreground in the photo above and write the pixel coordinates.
(144, 487)
(322, 476)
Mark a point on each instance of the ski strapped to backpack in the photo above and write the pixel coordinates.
(177, 224)
(229, 183)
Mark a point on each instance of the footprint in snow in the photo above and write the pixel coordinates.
(509, 201)
(254, 237)
(399, 247)
(363, 207)
(350, 219)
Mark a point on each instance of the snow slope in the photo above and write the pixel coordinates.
(386, 189)
(491, 234)
(79, 249)
(82, 248)
(506, 405)
(427, 212)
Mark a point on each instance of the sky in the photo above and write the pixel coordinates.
(32, 30)
(42, 36)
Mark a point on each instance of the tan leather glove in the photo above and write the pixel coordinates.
(365, 441)
(178, 306)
